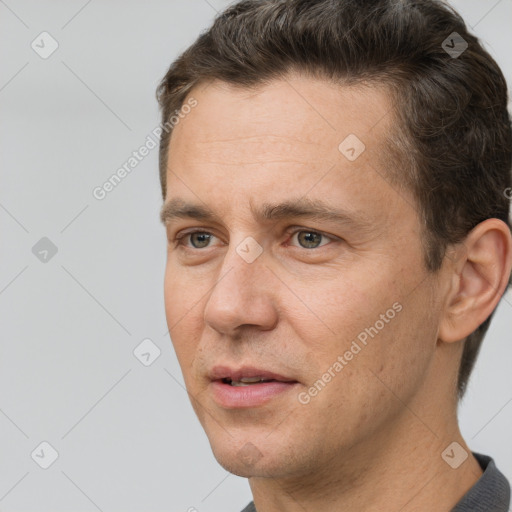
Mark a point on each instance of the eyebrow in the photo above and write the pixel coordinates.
(300, 208)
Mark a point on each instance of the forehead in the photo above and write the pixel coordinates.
(286, 139)
(296, 116)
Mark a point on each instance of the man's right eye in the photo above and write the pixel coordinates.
(198, 239)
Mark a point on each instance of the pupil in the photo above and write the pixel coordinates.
(309, 238)
(201, 238)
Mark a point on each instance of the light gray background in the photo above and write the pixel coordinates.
(126, 435)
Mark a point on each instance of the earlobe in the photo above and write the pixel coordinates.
(480, 276)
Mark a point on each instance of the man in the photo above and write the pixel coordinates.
(337, 220)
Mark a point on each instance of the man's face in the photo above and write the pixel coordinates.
(340, 305)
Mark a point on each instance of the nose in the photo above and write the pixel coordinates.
(242, 296)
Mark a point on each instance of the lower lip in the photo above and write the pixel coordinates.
(231, 397)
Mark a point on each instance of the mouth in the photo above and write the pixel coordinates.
(246, 375)
(247, 381)
(247, 386)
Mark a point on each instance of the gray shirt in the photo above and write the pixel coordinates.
(491, 492)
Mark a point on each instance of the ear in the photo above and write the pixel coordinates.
(480, 276)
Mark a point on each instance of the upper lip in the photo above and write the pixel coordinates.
(235, 374)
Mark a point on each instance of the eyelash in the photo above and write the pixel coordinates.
(179, 240)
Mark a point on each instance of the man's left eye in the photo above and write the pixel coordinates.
(309, 239)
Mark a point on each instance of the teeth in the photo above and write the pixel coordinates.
(247, 381)
(250, 379)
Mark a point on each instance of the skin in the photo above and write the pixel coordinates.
(372, 439)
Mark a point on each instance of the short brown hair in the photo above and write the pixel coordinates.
(453, 130)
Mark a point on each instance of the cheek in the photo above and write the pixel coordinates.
(394, 355)
(182, 310)
(329, 315)
(181, 294)
(363, 332)
(358, 395)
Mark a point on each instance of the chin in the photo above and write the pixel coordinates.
(247, 463)
(244, 458)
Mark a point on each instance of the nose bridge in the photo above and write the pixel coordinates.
(239, 296)
(242, 265)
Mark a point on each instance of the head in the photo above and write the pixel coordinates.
(360, 109)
